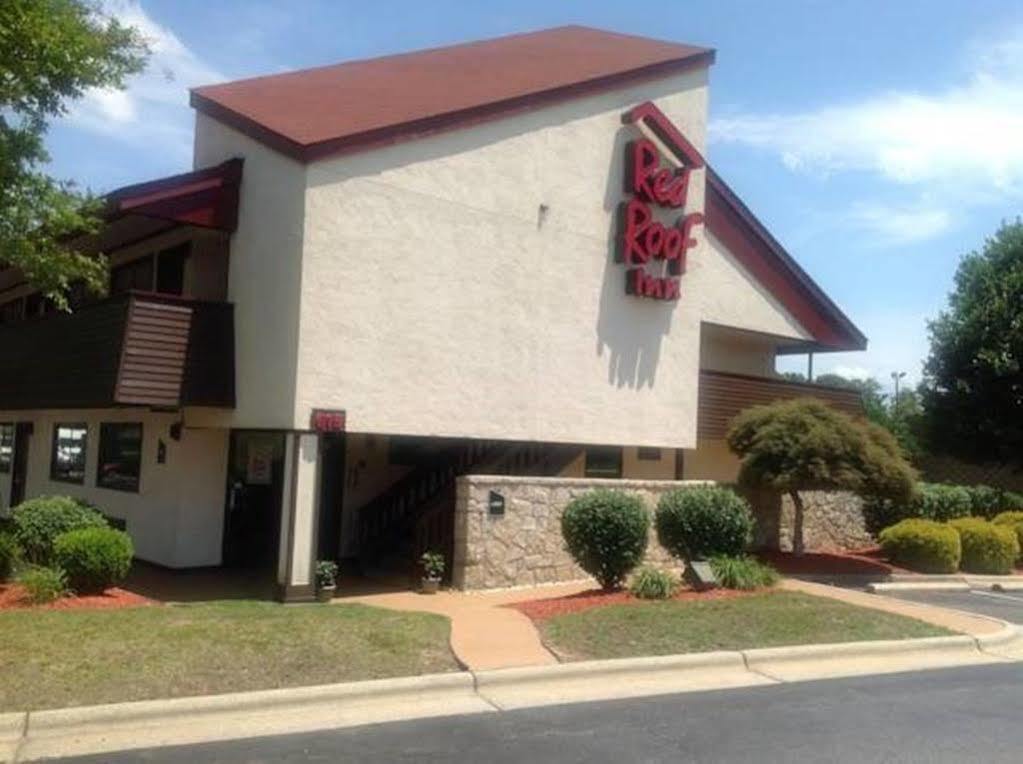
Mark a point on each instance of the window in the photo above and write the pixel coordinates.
(6, 446)
(120, 456)
(646, 454)
(163, 272)
(604, 462)
(170, 270)
(137, 274)
(67, 462)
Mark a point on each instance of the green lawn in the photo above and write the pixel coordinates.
(53, 659)
(759, 620)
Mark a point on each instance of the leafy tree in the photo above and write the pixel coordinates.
(51, 52)
(900, 417)
(973, 379)
(805, 445)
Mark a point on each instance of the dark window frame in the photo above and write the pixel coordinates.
(593, 453)
(105, 432)
(7, 465)
(54, 475)
(648, 454)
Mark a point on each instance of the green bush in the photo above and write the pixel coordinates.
(1013, 520)
(10, 555)
(43, 584)
(987, 501)
(93, 558)
(606, 534)
(987, 548)
(922, 545)
(699, 523)
(37, 522)
(934, 501)
(650, 583)
(742, 573)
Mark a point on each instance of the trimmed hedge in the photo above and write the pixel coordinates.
(922, 545)
(988, 502)
(606, 534)
(934, 501)
(93, 558)
(703, 522)
(38, 522)
(987, 548)
(1013, 520)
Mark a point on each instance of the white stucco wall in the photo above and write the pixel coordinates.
(265, 273)
(176, 518)
(439, 299)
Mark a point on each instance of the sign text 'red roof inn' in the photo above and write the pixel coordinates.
(645, 239)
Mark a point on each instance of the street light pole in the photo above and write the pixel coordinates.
(896, 376)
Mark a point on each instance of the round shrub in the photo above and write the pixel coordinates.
(37, 522)
(43, 584)
(606, 534)
(93, 558)
(702, 522)
(652, 583)
(10, 555)
(987, 548)
(922, 545)
(1012, 520)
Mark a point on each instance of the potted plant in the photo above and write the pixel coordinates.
(326, 580)
(433, 570)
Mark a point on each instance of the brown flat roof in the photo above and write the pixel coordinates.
(360, 104)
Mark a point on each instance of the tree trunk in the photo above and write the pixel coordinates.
(797, 523)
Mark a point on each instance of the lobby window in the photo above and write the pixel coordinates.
(67, 462)
(120, 456)
(604, 462)
(6, 446)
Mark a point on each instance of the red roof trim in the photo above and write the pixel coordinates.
(206, 198)
(746, 238)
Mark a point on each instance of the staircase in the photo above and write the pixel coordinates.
(417, 513)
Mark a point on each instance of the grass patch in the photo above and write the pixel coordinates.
(54, 659)
(758, 620)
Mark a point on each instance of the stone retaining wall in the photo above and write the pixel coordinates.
(524, 546)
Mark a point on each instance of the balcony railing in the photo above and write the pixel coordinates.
(136, 349)
(723, 395)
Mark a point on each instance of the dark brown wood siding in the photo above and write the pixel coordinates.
(723, 395)
(138, 350)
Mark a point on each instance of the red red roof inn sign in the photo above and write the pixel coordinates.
(655, 253)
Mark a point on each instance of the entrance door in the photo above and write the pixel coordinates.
(332, 482)
(255, 479)
(19, 467)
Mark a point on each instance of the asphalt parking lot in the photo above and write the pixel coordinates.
(1005, 605)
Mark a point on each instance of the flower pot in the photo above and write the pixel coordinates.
(325, 593)
(429, 586)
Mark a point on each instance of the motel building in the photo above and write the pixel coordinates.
(507, 258)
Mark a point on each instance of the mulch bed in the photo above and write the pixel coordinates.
(12, 597)
(539, 610)
(863, 562)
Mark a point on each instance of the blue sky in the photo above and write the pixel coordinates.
(878, 141)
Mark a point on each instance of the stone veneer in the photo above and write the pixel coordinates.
(524, 545)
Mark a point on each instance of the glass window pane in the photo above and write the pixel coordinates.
(604, 462)
(6, 447)
(67, 462)
(170, 270)
(120, 456)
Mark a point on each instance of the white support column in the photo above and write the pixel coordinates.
(299, 516)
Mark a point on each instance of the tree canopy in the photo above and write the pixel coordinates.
(973, 379)
(51, 53)
(804, 444)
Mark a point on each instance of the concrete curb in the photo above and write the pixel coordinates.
(179, 721)
(954, 582)
(951, 585)
(1007, 586)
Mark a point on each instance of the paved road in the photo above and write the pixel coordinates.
(955, 715)
(1005, 605)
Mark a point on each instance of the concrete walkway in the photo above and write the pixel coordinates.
(484, 633)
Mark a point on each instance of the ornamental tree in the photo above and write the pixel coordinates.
(805, 445)
(51, 52)
(973, 379)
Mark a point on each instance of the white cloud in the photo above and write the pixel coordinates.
(911, 138)
(900, 225)
(153, 109)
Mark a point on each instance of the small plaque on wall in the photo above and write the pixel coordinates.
(495, 504)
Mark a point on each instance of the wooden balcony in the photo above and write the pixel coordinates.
(723, 395)
(138, 349)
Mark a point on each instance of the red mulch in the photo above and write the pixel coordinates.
(12, 597)
(863, 562)
(539, 610)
